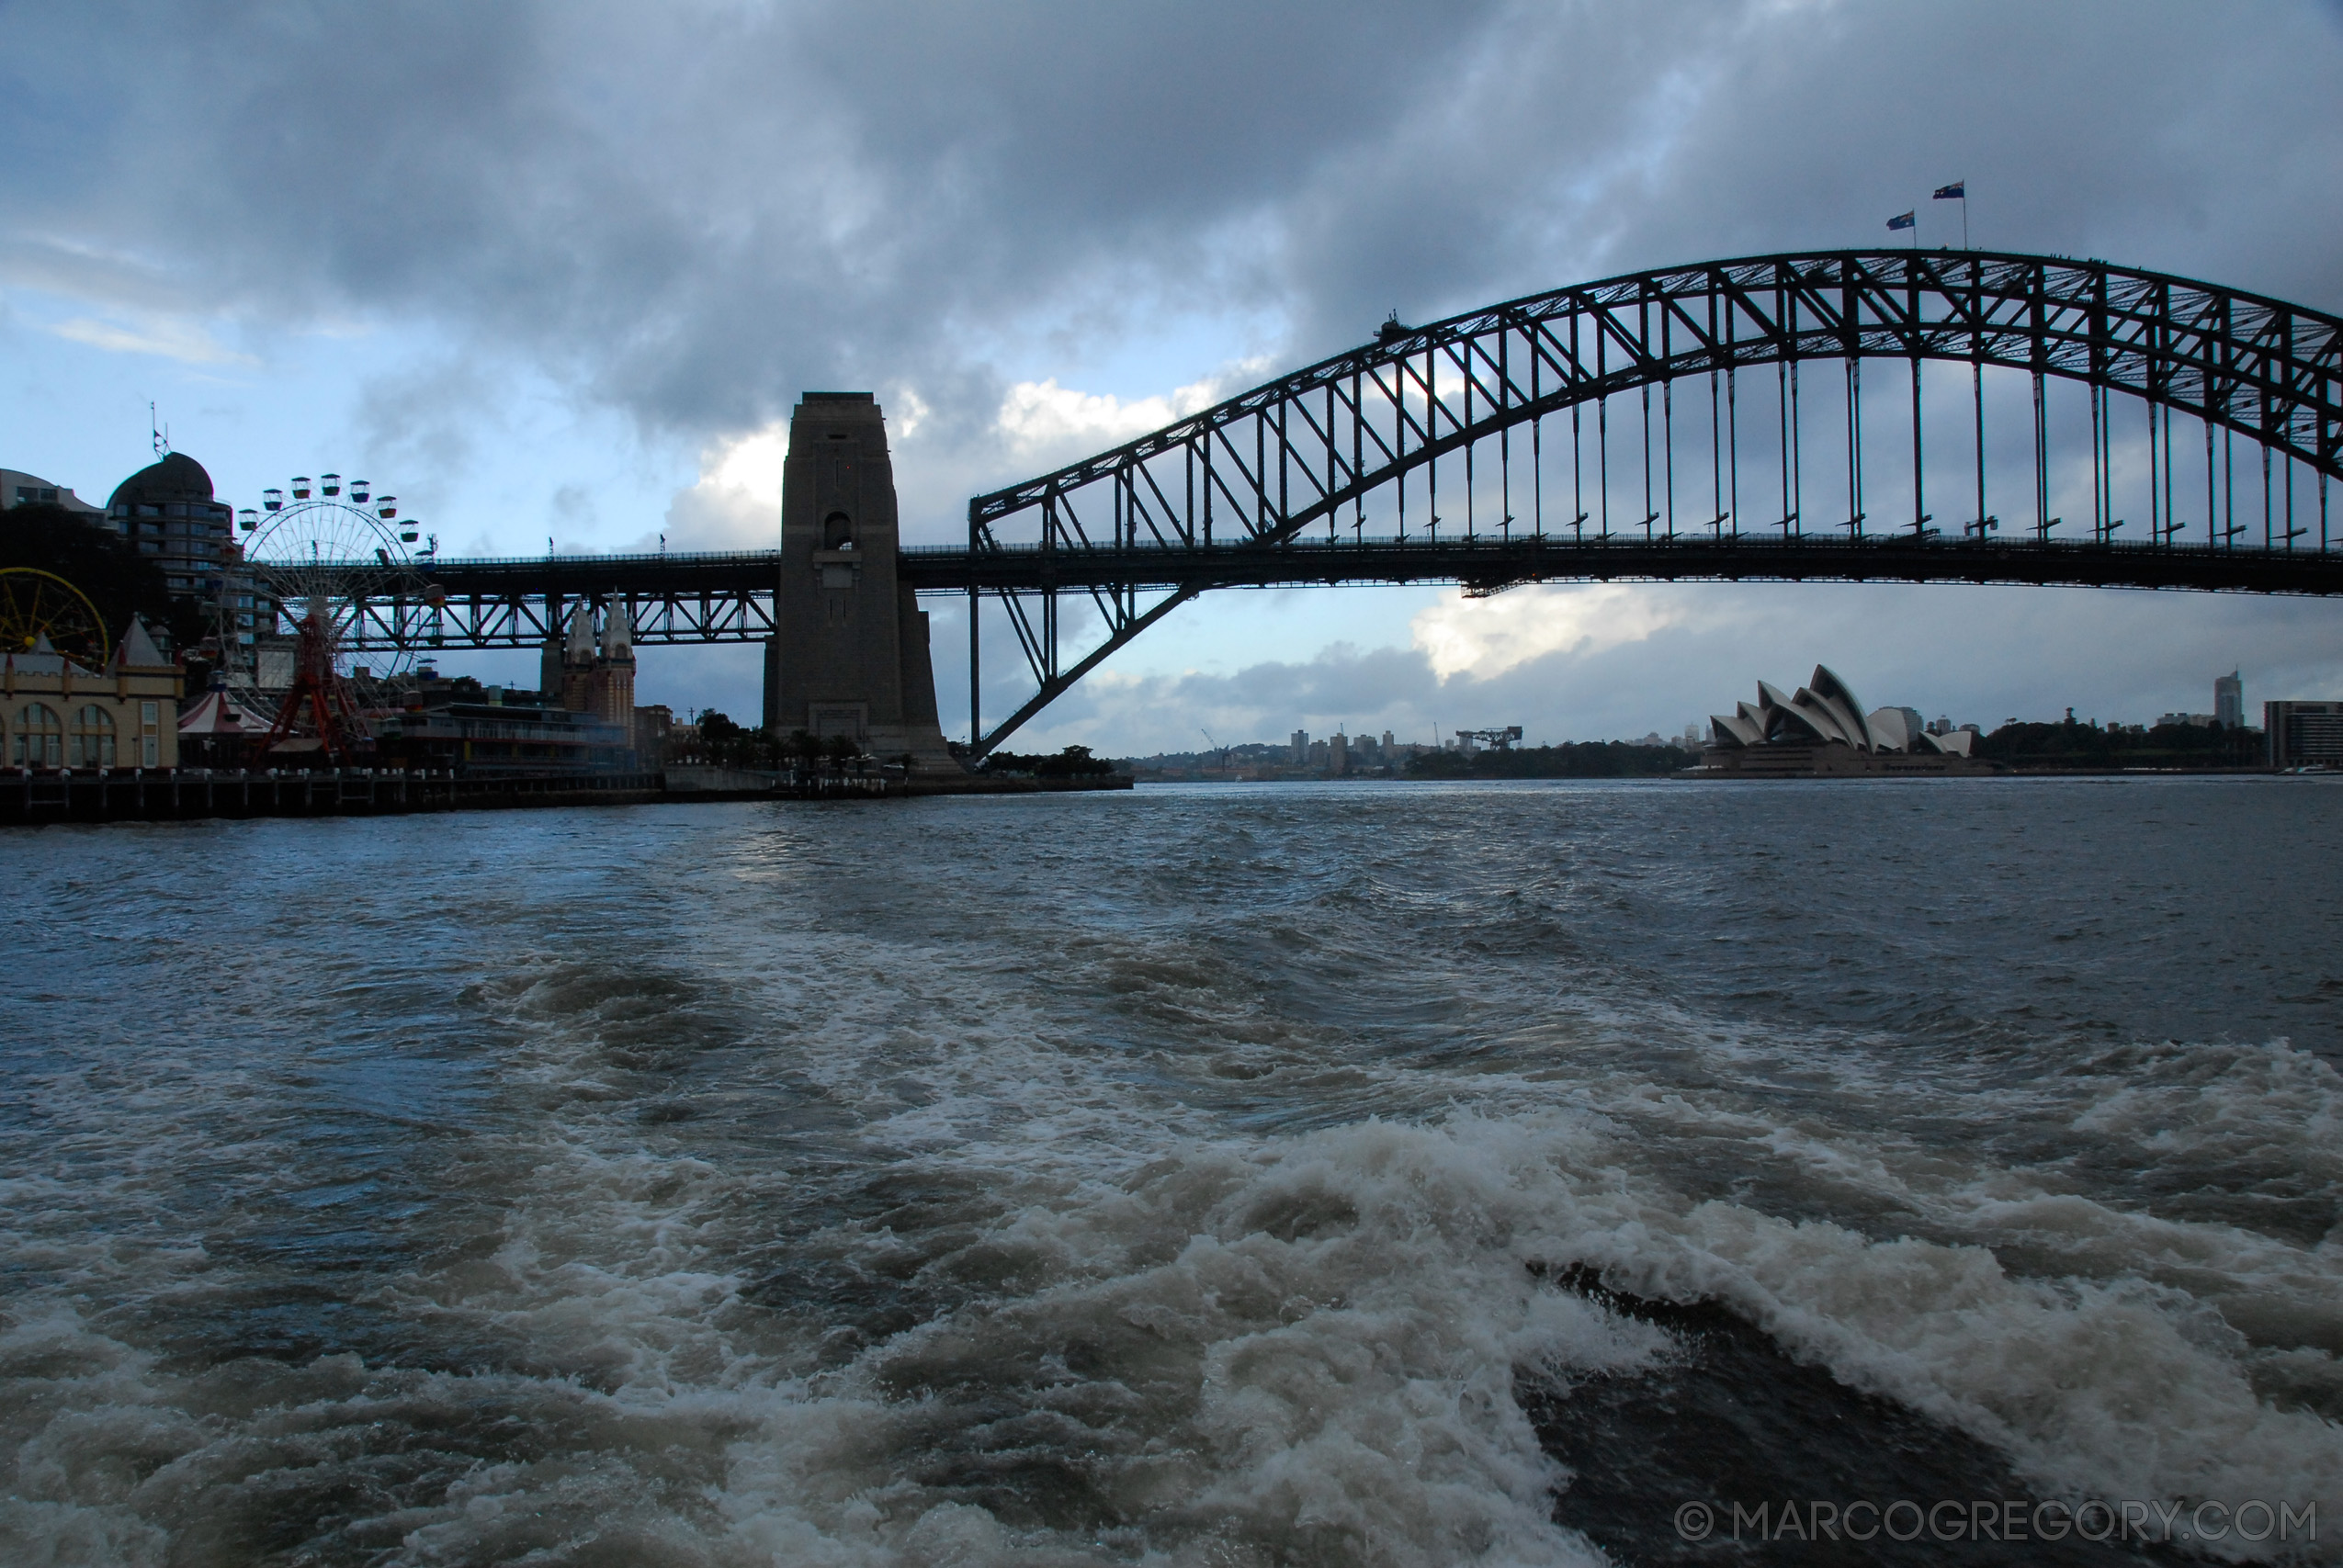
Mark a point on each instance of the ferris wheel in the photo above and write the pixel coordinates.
(37, 605)
(339, 552)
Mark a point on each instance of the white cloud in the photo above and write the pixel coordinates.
(171, 337)
(907, 410)
(735, 504)
(1481, 638)
(1039, 416)
(751, 464)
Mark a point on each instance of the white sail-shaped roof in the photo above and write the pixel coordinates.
(1828, 713)
(1820, 717)
(1732, 729)
(1843, 706)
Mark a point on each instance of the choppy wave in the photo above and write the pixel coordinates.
(1288, 1206)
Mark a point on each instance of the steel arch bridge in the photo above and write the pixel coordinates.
(1701, 444)
(1199, 503)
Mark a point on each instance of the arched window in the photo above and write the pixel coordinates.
(93, 738)
(39, 739)
(837, 532)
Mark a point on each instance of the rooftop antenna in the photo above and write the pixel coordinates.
(160, 435)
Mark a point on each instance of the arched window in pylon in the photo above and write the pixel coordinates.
(39, 739)
(837, 532)
(93, 738)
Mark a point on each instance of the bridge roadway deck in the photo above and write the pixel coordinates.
(1488, 561)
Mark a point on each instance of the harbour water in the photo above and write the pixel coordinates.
(1217, 1175)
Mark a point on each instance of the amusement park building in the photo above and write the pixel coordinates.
(479, 734)
(55, 714)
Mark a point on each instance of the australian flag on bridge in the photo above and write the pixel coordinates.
(1903, 221)
(1957, 191)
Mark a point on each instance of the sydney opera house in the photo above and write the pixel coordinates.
(1822, 732)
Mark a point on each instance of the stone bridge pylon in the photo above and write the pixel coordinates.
(849, 654)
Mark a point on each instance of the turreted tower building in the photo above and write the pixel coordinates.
(593, 672)
(613, 673)
(577, 661)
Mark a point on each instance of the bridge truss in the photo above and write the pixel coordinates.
(1236, 493)
(526, 601)
(1699, 422)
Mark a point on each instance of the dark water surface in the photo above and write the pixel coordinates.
(1405, 1175)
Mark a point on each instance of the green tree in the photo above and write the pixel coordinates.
(1570, 760)
(721, 740)
(1073, 763)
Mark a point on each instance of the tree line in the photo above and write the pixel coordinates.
(729, 743)
(118, 580)
(1569, 759)
(2073, 744)
(1073, 763)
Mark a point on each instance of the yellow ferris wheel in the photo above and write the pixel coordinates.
(35, 604)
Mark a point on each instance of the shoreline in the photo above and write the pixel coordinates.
(187, 795)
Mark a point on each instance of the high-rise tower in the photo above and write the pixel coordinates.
(2229, 700)
(850, 653)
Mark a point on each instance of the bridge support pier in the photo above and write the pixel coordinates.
(849, 655)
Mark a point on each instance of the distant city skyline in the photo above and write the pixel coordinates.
(2230, 708)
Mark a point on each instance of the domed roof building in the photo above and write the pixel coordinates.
(177, 479)
(167, 511)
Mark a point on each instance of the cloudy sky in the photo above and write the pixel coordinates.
(558, 271)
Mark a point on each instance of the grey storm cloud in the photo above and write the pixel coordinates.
(688, 212)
